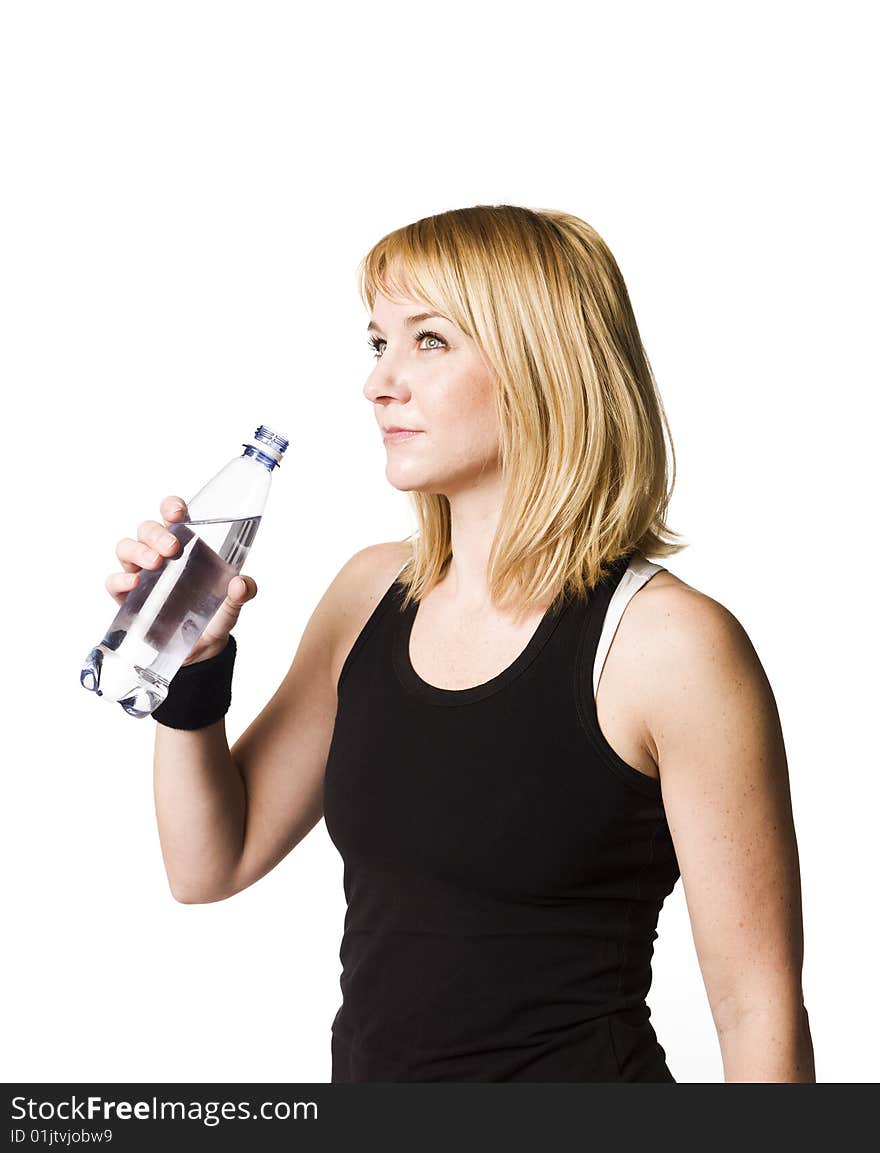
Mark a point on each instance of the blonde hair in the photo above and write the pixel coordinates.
(582, 449)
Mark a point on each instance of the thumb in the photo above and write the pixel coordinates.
(241, 589)
(238, 591)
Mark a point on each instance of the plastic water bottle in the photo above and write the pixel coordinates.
(161, 619)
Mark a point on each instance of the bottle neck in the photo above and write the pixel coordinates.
(268, 462)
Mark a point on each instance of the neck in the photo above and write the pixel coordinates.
(474, 516)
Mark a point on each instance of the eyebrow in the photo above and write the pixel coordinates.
(410, 320)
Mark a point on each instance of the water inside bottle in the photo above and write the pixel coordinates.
(164, 615)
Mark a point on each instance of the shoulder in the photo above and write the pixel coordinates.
(358, 587)
(678, 621)
(372, 564)
(695, 660)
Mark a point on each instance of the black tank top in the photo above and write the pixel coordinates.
(504, 869)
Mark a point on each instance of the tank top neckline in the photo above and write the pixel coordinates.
(434, 694)
(419, 687)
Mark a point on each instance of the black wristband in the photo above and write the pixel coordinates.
(199, 694)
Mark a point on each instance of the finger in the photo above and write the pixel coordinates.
(119, 584)
(135, 555)
(173, 509)
(241, 589)
(158, 538)
(226, 617)
(128, 553)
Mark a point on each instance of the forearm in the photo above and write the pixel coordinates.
(201, 805)
(768, 1044)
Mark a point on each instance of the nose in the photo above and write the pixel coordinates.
(386, 380)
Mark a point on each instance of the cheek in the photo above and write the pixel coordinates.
(486, 427)
(469, 407)
(484, 418)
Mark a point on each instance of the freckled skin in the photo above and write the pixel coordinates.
(443, 387)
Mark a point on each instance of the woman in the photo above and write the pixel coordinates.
(520, 731)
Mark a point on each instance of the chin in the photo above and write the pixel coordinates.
(403, 483)
(409, 486)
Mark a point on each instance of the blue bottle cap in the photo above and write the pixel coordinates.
(270, 443)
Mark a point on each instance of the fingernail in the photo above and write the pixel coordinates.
(168, 541)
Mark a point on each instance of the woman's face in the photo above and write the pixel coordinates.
(431, 377)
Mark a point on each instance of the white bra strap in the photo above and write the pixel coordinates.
(638, 571)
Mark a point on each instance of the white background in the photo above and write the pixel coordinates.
(187, 191)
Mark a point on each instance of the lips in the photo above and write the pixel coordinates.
(396, 428)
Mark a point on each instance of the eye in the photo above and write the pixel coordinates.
(430, 336)
(377, 343)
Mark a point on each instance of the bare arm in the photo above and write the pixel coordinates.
(724, 776)
(201, 804)
(215, 806)
(228, 816)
